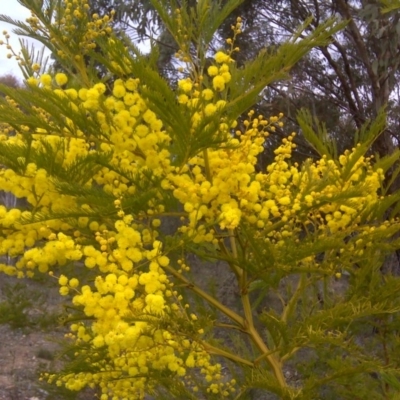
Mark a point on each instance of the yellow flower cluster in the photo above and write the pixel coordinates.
(129, 130)
(130, 304)
(75, 14)
(230, 189)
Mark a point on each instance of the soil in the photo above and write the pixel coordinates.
(21, 360)
(32, 348)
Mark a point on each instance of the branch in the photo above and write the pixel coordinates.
(346, 89)
(347, 68)
(359, 44)
(211, 300)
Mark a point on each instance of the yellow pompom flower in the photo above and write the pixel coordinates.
(61, 79)
(83, 94)
(131, 84)
(227, 76)
(207, 94)
(210, 109)
(219, 83)
(71, 93)
(63, 280)
(32, 81)
(163, 261)
(221, 57)
(45, 80)
(183, 99)
(119, 91)
(213, 70)
(284, 200)
(185, 85)
(64, 290)
(73, 283)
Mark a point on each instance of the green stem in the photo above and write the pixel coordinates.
(223, 353)
(170, 214)
(207, 165)
(288, 310)
(272, 360)
(248, 313)
(293, 301)
(228, 326)
(211, 300)
(236, 270)
(287, 356)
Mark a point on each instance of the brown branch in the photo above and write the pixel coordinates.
(345, 87)
(344, 9)
(348, 69)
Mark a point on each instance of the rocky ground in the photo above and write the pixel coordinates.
(23, 355)
(30, 335)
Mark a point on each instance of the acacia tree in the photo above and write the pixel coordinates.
(104, 163)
